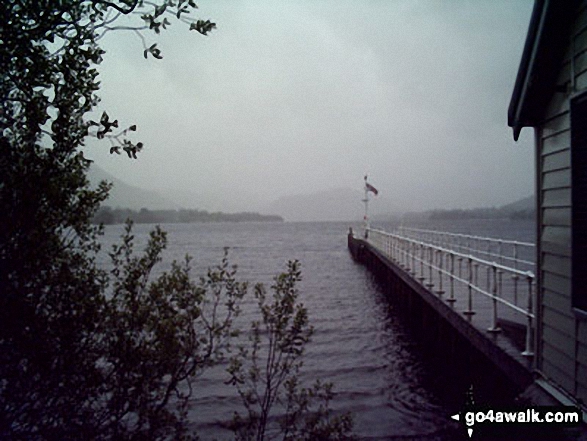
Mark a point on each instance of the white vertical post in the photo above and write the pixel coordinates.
(452, 299)
(366, 217)
(469, 312)
(422, 262)
(440, 258)
(515, 276)
(529, 350)
(430, 283)
(500, 251)
(494, 327)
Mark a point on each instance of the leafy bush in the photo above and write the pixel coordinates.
(86, 353)
(266, 372)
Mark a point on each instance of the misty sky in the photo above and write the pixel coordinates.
(290, 97)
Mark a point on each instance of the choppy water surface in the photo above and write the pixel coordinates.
(359, 343)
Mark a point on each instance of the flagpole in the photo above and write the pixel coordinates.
(366, 201)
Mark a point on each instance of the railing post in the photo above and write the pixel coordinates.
(406, 252)
(413, 245)
(452, 299)
(529, 350)
(494, 327)
(440, 291)
(500, 284)
(469, 312)
(411, 256)
(422, 278)
(515, 276)
(393, 248)
(499, 251)
(488, 285)
(430, 283)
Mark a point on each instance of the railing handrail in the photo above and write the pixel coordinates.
(469, 236)
(488, 253)
(404, 250)
(458, 254)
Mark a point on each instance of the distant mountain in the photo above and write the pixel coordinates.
(341, 204)
(520, 209)
(227, 200)
(527, 203)
(124, 195)
(107, 215)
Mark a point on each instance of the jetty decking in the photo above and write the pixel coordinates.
(460, 291)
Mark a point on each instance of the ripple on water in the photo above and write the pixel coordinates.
(358, 344)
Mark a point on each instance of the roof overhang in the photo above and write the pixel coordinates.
(548, 37)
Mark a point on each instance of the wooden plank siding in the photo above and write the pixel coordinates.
(560, 197)
(580, 68)
(582, 332)
(556, 179)
(556, 161)
(558, 303)
(556, 142)
(556, 284)
(581, 80)
(555, 123)
(555, 372)
(561, 342)
(564, 322)
(555, 248)
(556, 216)
(559, 102)
(559, 265)
(558, 235)
(582, 355)
(580, 63)
(581, 374)
(557, 357)
(562, 336)
(581, 391)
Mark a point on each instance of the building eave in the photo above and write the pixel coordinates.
(545, 42)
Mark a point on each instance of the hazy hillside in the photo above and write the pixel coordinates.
(527, 203)
(107, 215)
(225, 200)
(332, 205)
(124, 195)
(521, 209)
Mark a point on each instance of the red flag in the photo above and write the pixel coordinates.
(371, 188)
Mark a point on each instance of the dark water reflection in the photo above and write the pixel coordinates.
(359, 344)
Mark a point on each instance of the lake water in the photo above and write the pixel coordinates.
(359, 344)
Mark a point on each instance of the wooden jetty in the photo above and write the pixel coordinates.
(475, 338)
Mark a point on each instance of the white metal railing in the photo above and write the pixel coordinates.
(514, 253)
(444, 268)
